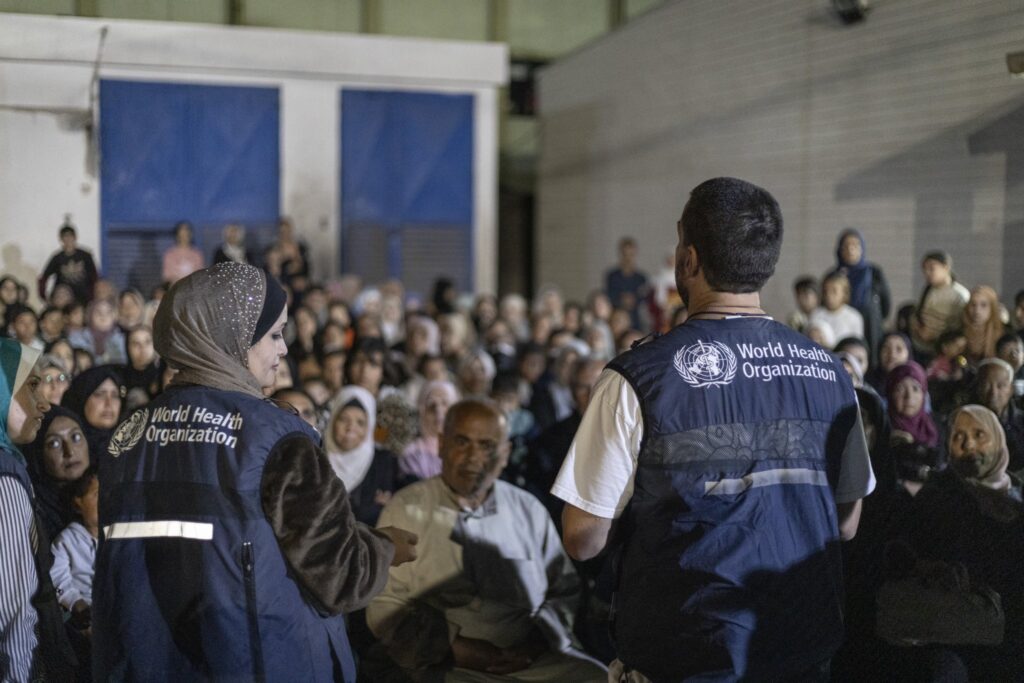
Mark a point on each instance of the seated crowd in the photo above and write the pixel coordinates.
(932, 578)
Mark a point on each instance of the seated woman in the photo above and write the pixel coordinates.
(96, 396)
(971, 515)
(58, 456)
(421, 459)
(369, 473)
(906, 387)
(142, 370)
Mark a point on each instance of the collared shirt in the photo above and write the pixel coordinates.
(492, 573)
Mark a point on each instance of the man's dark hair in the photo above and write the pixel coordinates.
(849, 342)
(1019, 298)
(67, 230)
(736, 229)
(805, 283)
(506, 382)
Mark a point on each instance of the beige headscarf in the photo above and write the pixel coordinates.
(992, 471)
(205, 324)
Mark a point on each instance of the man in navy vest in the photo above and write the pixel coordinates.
(723, 463)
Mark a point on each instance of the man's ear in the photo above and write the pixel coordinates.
(691, 262)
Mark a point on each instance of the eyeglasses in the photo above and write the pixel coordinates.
(50, 379)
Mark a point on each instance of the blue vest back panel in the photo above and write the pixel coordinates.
(730, 566)
(190, 581)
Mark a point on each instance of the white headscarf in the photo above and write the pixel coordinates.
(351, 466)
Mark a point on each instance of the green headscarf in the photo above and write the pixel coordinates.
(16, 363)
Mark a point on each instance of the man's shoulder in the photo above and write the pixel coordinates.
(416, 494)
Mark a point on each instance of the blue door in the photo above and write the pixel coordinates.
(407, 187)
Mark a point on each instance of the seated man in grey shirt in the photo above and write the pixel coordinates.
(492, 594)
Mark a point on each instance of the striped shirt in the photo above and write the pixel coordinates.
(18, 581)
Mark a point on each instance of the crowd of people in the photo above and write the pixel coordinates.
(402, 388)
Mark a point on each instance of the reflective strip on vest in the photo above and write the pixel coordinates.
(730, 487)
(169, 528)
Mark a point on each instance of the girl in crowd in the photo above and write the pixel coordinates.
(57, 457)
(981, 324)
(476, 373)
(894, 351)
(869, 291)
(62, 350)
(941, 305)
(100, 337)
(95, 396)
(845, 320)
(369, 473)
(421, 458)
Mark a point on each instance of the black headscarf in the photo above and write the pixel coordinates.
(52, 506)
(79, 392)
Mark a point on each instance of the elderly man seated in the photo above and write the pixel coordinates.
(491, 596)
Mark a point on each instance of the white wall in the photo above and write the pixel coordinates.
(906, 126)
(45, 71)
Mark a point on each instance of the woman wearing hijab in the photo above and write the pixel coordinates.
(32, 641)
(369, 473)
(230, 547)
(421, 459)
(57, 457)
(142, 371)
(981, 324)
(907, 389)
(869, 290)
(971, 515)
(96, 397)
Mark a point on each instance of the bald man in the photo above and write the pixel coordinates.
(492, 595)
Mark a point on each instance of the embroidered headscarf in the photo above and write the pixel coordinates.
(859, 273)
(16, 363)
(351, 466)
(205, 325)
(921, 427)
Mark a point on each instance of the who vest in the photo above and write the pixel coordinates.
(190, 582)
(729, 565)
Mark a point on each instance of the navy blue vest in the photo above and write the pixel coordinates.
(190, 582)
(728, 565)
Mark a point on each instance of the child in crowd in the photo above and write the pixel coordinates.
(949, 364)
(74, 551)
(805, 291)
(845, 320)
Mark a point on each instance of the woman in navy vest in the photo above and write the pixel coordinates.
(229, 547)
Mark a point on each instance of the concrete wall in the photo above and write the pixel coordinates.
(906, 126)
(47, 168)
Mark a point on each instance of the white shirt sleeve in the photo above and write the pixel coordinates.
(598, 472)
(856, 479)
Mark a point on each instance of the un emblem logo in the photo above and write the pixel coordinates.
(129, 433)
(706, 364)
